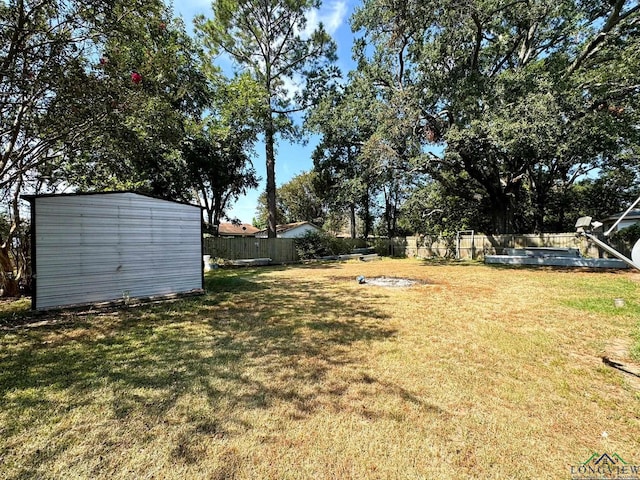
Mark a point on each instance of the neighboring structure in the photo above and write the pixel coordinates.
(90, 248)
(237, 230)
(631, 218)
(291, 230)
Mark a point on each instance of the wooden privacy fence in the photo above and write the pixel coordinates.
(279, 250)
(477, 246)
(426, 246)
(282, 250)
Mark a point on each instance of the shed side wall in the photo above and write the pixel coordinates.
(94, 248)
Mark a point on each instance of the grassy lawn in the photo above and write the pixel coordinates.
(302, 373)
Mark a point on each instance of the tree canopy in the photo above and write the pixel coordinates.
(520, 99)
(58, 89)
(108, 95)
(217, 150)
(298, 200)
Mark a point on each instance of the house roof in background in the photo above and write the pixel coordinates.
(632, 215)
(227, 229)
(288, 226)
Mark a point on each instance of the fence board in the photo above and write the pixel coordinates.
(282, 250)
(279, 250)
(495, 244)
(477, 246)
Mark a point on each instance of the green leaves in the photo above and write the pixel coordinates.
(151, 81)
(527, 96)
(298, 200)
(270, 41)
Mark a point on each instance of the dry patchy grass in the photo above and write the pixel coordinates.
(300, 372)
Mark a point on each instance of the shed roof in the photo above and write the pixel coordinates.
(31, 197)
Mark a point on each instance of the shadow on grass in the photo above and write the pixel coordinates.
(249, 343)
(14, 310)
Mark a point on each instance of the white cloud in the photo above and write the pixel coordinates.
(331, 15)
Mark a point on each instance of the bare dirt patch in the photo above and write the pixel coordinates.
(617, 357)
(390, 282)
(618, 348)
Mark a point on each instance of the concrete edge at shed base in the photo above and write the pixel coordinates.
(130, 302)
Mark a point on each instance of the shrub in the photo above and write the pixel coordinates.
(629, 234)
(391, 247)
(320, 244)
(339, 246)
(381, 247)
(625, 239)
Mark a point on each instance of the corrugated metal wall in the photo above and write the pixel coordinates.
(103, 247)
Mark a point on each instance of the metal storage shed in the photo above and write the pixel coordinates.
(97, 247)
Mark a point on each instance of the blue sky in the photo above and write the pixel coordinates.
(291, 159)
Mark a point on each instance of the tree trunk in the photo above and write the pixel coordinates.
(269, 139)
(366, 215)
(8, 281)
(540, 185)
(216, 212)
(352, 213)
(538, 215)
(12, 271)
(501, 214)
(210, 217)
(499, 195)
(387, 212)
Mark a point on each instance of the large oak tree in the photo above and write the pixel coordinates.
(524, 97)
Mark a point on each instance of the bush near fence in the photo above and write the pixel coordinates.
(282, 250)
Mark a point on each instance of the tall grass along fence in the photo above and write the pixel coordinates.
(467, 246)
